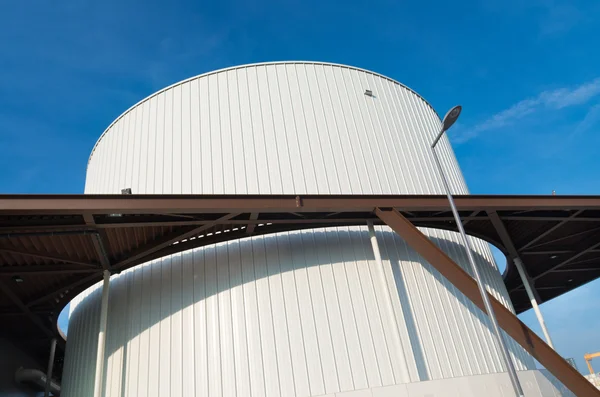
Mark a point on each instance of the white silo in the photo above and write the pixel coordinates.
(303, 313)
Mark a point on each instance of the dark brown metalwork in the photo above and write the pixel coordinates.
(45, 328)
(552, 229)
(45, 269)
(252, 225)
(44, 255)
(169, 239)
(510, 247)
(100, 241)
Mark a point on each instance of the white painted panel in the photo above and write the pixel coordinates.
(134, 182)
(154, 353)
(268, 131)
(164, 385)
(212, 324)
(248, 141)
(176, 325)
(265, 317)
(255, 352)
(279, 144)
(303, 313)
(348, 320)
(313, 350)
(292, 314)
(205, 137)
(290, 132)
(361, 312)
(292, 317)
(238, 316)
(337, 155)
(176, 139)
(321, 318)
(314, 148)
(224, 132)
(188, 345)
(259, 145)
(225, 322)
(322, 131)
(195, 139)
(214, 131)
(186, 138)
(200, 323)
(280, 326)
(143, 161)
(237, 143)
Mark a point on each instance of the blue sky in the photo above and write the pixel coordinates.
(526, 72)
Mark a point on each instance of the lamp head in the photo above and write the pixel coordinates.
(451, 117)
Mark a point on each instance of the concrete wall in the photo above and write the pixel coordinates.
(535, 383)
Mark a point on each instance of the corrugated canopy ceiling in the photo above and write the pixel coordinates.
(53, 247)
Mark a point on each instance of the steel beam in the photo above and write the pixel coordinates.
(533, 344)
(552, 229)
(248, 222)
(514, 256)
(58, 227)
(547, 218)
(47, 256)
(588, 245)
(561, 238)
(469, 218)
(17, 301)
(63, 290)
(169, 239)
(589, 269)
(252, 225)
(45, 269)
(546, 252)
(528, 284)
(50, 367)
(100, 242)
(184, 204)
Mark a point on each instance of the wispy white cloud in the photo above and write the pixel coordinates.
(591, 118)
(556, 99)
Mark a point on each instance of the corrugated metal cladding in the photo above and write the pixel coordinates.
(294, 314)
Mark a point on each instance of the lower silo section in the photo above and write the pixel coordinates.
(304, 313)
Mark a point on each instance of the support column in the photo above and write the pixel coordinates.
(377, 254)
(102, 336)
(538, 313)
(50, 367)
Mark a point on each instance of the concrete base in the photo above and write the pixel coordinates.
(535, 383)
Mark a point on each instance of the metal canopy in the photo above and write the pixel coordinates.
(58, 245)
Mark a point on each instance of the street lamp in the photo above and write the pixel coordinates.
(449, 119)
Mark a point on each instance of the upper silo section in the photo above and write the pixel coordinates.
(275, 128)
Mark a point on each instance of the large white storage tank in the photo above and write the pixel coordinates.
(293, 314)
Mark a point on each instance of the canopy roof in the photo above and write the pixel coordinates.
(54, 246)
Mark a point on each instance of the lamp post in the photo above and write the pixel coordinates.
(449, 119)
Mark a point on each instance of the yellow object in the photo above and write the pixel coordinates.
(588, 359)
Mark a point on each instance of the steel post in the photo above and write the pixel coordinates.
(102, 336)
(512, 373)
(50, 367)
(377, 254)
(538, 313)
